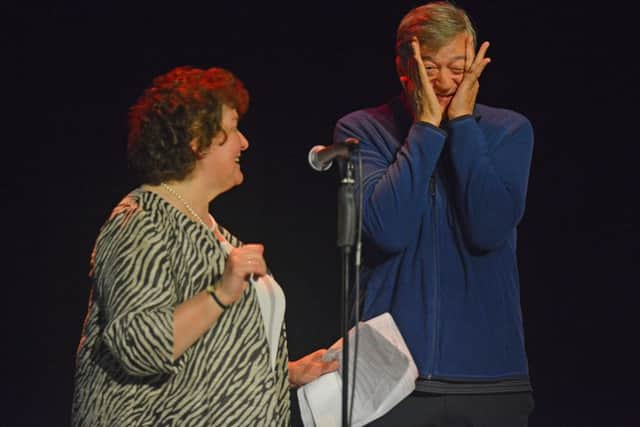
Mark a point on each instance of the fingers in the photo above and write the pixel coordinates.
(241, 264)
(411, 81)
(469, 54)
(480, 57)
(248, 259)
(252, 256)
(421, 72)
(253, 247)
(480, 61)
(324, 366)
(415, 50)
(330, 366)
(418, 85)
(319, 355)
(310, 367)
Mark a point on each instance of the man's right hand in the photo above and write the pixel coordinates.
(417, 85)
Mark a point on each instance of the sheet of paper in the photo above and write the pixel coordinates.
(385, 374)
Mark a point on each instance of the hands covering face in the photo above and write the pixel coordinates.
(418, 85)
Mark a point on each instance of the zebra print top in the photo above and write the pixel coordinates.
(148, 258)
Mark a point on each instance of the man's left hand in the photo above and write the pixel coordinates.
(464, 100)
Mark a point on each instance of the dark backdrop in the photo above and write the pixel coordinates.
(71, 71)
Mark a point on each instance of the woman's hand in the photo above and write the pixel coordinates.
(310, 367)
(242, 262)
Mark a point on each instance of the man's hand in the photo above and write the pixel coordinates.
(418, 87)
(464, 100)
(310, 367)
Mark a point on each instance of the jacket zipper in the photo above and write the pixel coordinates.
(434, 230)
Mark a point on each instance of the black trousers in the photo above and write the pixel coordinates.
(459, 410)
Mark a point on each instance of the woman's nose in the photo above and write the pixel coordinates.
(244, 142)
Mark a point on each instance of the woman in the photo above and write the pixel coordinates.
(184, 327)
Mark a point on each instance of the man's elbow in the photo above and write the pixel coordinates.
(388, 243)
(483, 241)
(487, 236)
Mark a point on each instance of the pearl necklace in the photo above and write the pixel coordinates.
(184, 202)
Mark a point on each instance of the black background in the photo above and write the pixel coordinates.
(71, 71)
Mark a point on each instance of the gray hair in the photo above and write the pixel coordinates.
(434, 24)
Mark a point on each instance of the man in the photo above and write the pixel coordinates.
(445, 183)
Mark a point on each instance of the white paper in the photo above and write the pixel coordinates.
(385, 375)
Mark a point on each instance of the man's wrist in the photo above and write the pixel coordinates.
(456, 116)
(459, 119)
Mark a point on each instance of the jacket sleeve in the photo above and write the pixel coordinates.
(135, 293)
(490, 179)
(396, 180)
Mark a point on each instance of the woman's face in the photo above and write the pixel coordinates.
(221, 162)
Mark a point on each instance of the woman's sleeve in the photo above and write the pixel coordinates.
(135, 293)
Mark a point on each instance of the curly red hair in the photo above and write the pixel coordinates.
(181, 106)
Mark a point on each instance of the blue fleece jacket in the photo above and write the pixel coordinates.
(441, 206)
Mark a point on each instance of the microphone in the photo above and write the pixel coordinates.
(321, 157)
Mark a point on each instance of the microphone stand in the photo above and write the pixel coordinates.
(346, 242)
